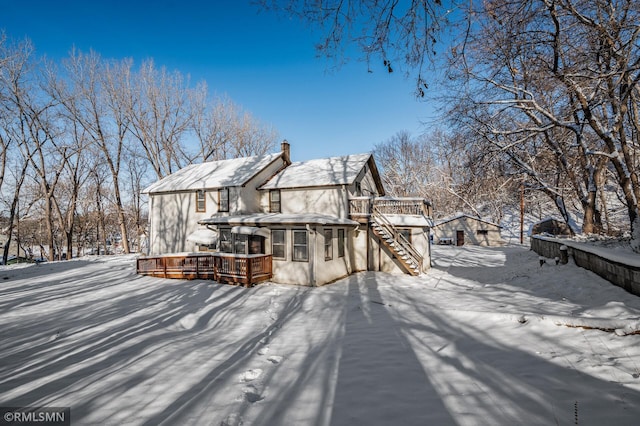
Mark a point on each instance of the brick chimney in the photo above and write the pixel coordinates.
(286, 151)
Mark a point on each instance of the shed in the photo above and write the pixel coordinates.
(464, 229)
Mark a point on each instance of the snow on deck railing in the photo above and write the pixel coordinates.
(222, 267)
(363, 206)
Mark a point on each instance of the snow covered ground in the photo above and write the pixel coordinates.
(487, 337)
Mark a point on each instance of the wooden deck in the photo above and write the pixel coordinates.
(246, 270)
(361, 208)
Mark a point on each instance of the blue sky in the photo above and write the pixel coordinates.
(263, 62)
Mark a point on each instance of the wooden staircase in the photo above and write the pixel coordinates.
(405, 253)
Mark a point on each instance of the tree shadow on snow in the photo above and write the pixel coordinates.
(478, 377)
(150, 351)
(380, 380)
(80, 342)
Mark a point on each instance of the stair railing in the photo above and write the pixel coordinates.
(400, 239)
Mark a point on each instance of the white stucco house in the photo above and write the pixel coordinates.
(264, 217)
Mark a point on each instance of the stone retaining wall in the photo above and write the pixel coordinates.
(621, 274)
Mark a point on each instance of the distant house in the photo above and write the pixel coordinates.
(465, 229)
(308, 222)
(551, 226)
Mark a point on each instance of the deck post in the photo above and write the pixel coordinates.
(249, 277)
(164, 267)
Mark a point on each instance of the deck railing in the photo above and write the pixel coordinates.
(362, 207)
(222, 267)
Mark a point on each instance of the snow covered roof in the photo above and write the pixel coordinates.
(321, 172)
(278, 219)
(409, 220)
(213, 174)
(464, 215)
(205, 237)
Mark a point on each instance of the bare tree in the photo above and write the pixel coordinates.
(224, 130)
(78, 139)
(97, 179)
(13, 204)
(213, 126)
(407, 165)
(35, 130)
(552, 86)
(160, 114)
(95, 95)
(5, 117)
(13, 61)
(75, 175)
(137, 171)
(395, 33)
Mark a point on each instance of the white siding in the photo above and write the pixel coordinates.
(489, 236)
(324, 200)
(337, 267)
(173, 215)
(286, 271)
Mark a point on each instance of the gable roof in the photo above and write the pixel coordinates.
(331, 171)
(465, 216)
(213, 174)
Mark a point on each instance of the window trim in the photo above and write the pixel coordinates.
(358, 189)
(272, 202)
(328, 244)
(341, 242)
(222, 242)
(283, 244)
(199, 193)
(294, 258)
(223, 207)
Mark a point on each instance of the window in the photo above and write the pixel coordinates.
(223, 199)
(358, 189)
(240, 244)
(274, 201)
(482, 232)
(340, 242)
(278, 244)
(225, 240)
(256, 244)
(201, 201)
(300, 246)
(328, 244)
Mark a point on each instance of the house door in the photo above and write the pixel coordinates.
(459, 238)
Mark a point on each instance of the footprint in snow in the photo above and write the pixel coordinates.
(250, 375)
(252, 394)
(232, 420)
(188, 321)
(275, 359)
